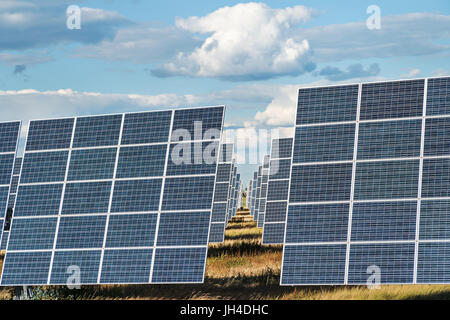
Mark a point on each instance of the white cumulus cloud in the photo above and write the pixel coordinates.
(248, 41)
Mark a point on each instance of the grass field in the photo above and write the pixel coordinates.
(240, 268)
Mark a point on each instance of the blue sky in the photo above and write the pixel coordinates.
(136, 55)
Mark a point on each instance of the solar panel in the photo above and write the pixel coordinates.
(254, 189)
(222, 190)
(258, 192)
(11, 202)
(370, 185)
(128, 200)
(9, 137)
(263, 192)
(276, 205)
(231, 191)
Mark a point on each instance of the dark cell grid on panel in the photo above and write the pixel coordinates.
(221, 192)
(17, 166)
(437, 137)
(192, 158)
(386, 180)
(219, 212)
(273, 233)
(97, 131)
(217, 233)
(331, 182)
(260, 219)
(50, 134)
(203, 119)
(226, 152)
(14, 184)
(9, 134)
(136, 195)
(314, 264)
(131, 230)
(394, 260)
(26, 268)
(44, 167)
(92, 164)
(276, 211)
(385, 221)
(438, 96)
(433, 263)
(390, 139)
(265, 178)
(38, 200)
(280, 169)
(4, 240)
(183, 228)
(88, 263)
(327, 104)
(33, 234)
(126, 266)
(188, 193)
(141, 161)
(263, 190)
(324, 143)
(173, 265)
(281, 148)
(149, 127)
(317, 223)
(223, 172)
(86, 197)
(278, 190)
(434, 220)
(388, 100)
(6, 168)
(11, 201)
(4, 192)
(81, 232)
(436, 178)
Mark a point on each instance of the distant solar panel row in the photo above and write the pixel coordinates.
(222, 194)
(257, 194)
(125, 198)
(9, 138)
(263, 192)
(11, 202)
(370, 185)
(277, 193)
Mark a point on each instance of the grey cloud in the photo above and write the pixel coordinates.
(351, 72)
(19, 68)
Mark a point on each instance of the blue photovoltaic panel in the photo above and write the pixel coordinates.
(389, 100)
(97, 131)
(222, 193)
(324, 143)
(142, 161)
(9, 137)
(50, 134)
(102, 193)
(277, 191)
(148, 127)
(332, 104)
(197, 160)
(127, 266)
(395, 260)
(44, 167)
(92, 164)
(438, 97)
(179, 265)
(397, 203)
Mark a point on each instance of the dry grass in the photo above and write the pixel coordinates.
(240, 268)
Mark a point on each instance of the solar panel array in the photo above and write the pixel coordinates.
(253, 195)
(277, 193)
(370, 185)
(121, 197)
(9, 138)
(236, 190)
(11, 202)
(263, 191)
(257, 194)
(222, 194)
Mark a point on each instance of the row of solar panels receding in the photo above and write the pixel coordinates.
(117, 196)
(9, 138)
(370, 185)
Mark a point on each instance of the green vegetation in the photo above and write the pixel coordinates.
(239, 268)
